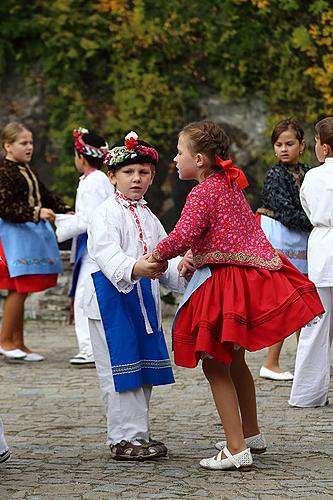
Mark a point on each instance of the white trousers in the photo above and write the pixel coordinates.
(312, 368)
(81, 321)
(127, 412)
(3, 443)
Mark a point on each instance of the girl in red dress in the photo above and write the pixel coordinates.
(243, 294)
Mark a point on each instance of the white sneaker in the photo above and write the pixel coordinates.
(266, 373)
(257, 444)
(83, 358)
(242, 460)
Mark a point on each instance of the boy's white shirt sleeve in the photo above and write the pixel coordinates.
(171, 278)
(104, 240)
(308, 195)
(92, 191)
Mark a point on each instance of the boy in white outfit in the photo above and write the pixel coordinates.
(94, 187)
(312, 369)
(123, 302)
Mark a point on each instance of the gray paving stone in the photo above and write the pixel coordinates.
(55, 424)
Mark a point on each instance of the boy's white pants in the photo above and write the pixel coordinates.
(3, 443)
(81, 321)
(127, 412)
(312, 368)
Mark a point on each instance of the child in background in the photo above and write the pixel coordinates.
(94, 187)
(282, 218)
(4, 449)
(243, 295)
(29, 255)
(312, 369)
(125, 321)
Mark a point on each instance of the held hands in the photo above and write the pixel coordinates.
(47, 214)
(186, 267)
(147, 267)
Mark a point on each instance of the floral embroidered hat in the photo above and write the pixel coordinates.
(89, 144)
(130, 151)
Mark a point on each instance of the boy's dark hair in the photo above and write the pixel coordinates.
(92, 139)
(288, 124)
(324, 131)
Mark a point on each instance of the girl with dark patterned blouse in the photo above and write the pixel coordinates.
(29, 255)
(282, 217)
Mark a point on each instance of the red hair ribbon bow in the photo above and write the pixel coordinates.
(232, 173)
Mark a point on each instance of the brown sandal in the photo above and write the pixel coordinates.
(140, 452)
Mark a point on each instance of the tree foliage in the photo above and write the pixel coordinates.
(118, 65)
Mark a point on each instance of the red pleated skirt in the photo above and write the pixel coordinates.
(247, 306)
(24, 284)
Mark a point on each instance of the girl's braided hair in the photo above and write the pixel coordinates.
(208, 138)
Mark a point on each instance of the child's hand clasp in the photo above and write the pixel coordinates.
(147, 267)
(186, 266)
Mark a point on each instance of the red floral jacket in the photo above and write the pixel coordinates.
(218, 225)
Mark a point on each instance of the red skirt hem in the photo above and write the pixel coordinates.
(232, 308)
(27, 283)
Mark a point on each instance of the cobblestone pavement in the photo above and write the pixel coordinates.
(54, 422)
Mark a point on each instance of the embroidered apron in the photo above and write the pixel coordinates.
(30, 248)
(138, 352)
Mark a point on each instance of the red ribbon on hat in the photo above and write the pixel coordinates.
(232, 173)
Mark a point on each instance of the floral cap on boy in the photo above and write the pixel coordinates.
(130, 151)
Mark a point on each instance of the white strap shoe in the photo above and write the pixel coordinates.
(242, 460)
(257, 444)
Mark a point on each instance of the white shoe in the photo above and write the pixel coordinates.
(257, 444)
(83, 358)
(242, 460)
(266, 373)
(13, 353)
(33, 357)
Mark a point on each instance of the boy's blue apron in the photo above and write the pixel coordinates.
(30, 248)
(80, 249)
(137, 357)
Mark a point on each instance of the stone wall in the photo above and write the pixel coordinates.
(53, 304)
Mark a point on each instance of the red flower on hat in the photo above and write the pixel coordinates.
(130, 143)
(131, 140)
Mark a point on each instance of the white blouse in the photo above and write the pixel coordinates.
(317, 201)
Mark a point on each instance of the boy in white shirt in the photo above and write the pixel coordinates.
(312, 369)
(94, 187)
(123, 302)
